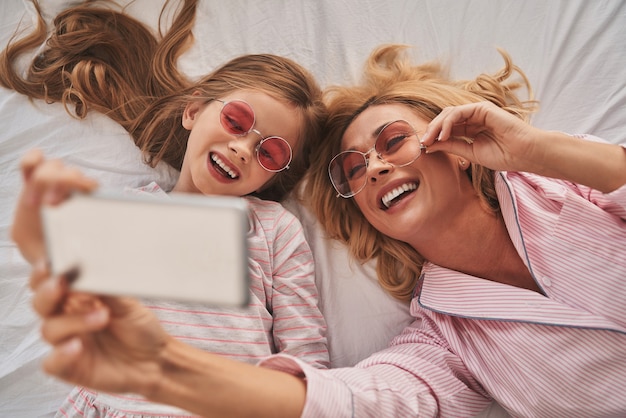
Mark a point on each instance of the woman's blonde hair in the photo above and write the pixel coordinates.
(390, 77)
(98, 58)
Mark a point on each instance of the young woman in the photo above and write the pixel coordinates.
(241, 131)
(510, 242)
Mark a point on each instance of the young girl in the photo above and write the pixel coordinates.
(241, 131)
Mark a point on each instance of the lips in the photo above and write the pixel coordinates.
(398, 193)
(222, 167)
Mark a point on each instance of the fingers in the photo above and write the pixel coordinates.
(52, 297)
(77, 303)
(51, 182)
(49, 295)
(457, 121)
(48, 182)
(38, 274)
(29, 162)
(453, 146)
(121, 306)
(61, 362)
(60, 328)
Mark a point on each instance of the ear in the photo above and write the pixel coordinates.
(464, 164)
(191, 111)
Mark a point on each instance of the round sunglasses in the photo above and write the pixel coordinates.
(273, 152)
(396, 144)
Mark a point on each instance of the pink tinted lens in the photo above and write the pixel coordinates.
(353, 165)
(274, 153)
(398, 144)
(237, 117)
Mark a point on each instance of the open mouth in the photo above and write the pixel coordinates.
(222, 167)
(393, 197)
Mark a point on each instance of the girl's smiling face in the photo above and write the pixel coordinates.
(411, 203)
(220, 163)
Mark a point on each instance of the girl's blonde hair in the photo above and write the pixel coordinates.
(390, 77)
(98, 58)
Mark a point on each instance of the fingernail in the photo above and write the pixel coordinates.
(72, 347)
(72, 275)
(96, 317)
(40, 265)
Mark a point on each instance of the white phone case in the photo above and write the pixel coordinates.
(186, 248)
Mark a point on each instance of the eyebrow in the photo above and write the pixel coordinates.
(379, 129)
(375, 134)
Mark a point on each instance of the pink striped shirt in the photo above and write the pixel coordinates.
(283, 314)
(560, 354)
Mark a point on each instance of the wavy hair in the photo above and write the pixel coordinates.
(390, 77)
(99, 58)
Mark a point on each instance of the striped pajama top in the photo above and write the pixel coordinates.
(560, 354)
(282, 316)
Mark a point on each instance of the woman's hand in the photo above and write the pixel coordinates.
(45, 183)
(118, 345)
(105, 343)
(503, 142)
(497, 139)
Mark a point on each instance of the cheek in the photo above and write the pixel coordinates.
(194, 140)
(366, 210)
(359, 202)
(260, 177)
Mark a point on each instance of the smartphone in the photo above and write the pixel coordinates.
(186, 248)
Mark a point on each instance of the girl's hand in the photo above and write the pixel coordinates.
(45, 183)
(495, 138)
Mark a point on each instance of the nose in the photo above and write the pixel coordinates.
(243, 147)
(376, 167)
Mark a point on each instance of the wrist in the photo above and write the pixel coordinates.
(158, 383)
(594, 164)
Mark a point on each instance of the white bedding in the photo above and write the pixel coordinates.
(572, 51)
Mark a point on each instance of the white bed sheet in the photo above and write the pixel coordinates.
(572, 51)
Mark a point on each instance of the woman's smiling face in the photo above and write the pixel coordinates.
(217, 162)
(408, 202)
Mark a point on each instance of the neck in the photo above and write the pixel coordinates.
(478, 244)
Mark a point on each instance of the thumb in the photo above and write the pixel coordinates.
(454, 146)
(62, 360)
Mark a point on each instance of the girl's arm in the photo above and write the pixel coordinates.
(299, 326)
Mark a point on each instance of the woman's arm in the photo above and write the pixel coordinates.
(218, 387)
(119, 346)
(598, 165)
(503, 142)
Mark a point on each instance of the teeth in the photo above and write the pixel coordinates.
(387, 198)
(223, 166)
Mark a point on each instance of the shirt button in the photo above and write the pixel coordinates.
(546, 281)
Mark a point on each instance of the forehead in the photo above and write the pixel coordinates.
(364, 128)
